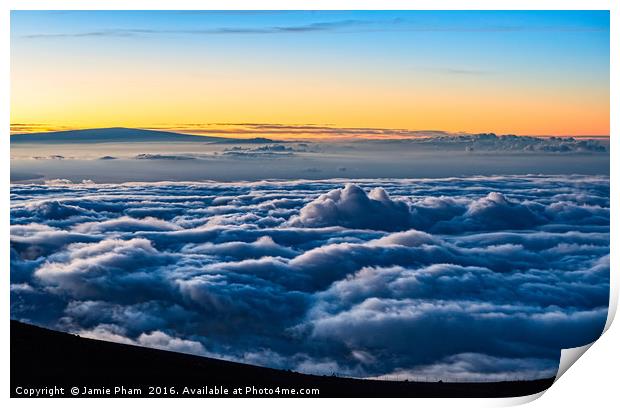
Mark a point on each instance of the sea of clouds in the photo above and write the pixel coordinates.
(478, 278)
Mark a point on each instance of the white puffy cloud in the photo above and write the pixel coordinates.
(462, 278)
(104, 269)
(126, 224)
(263, 246)
(350, 206)
(155, 339)
(161, 340)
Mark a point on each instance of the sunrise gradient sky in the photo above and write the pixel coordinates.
(527, 73)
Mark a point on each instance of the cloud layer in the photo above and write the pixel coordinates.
(479, 278)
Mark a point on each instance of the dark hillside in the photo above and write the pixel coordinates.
(47, 358)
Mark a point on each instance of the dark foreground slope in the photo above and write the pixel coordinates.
(45, 358)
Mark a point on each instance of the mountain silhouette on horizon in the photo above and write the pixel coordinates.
(123, 135)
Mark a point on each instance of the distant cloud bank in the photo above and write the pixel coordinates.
(479, 278)
(264, 132)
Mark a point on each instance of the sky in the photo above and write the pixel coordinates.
(508, 72)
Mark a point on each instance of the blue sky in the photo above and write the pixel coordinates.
(555, 62)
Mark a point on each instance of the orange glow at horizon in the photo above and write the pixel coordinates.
(77, 83)
(94, 99)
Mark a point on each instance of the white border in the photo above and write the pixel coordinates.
(590, 383)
